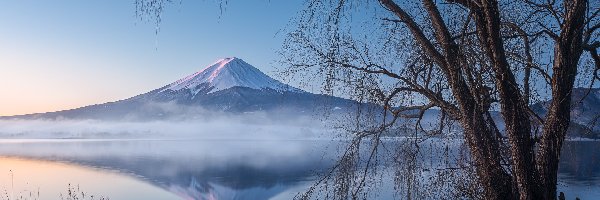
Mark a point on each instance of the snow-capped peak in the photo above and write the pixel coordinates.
(227, 73)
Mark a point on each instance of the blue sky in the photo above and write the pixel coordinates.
(64, 54)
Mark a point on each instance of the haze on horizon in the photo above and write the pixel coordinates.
(68, 54)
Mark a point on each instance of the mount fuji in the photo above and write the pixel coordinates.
(227, 73)
(230, 85)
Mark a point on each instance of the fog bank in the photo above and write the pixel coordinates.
(214, 126)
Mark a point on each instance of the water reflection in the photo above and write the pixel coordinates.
(579, 169)
(235, 169)
(193, 169)
(36, 179)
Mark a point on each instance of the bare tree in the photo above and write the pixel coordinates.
(466, 58)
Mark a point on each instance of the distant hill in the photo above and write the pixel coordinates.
(585, 112)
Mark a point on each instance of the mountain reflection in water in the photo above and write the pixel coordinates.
(244, 169)
(192, 169)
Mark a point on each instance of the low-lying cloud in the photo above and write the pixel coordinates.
(208, 126)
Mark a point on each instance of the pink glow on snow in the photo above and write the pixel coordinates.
(227, 73)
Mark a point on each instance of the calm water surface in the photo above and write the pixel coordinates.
(579, 169)
(205, 169)
(162, 169)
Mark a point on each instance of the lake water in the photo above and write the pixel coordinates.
(204, 169)
(162, 169)
(579, 169)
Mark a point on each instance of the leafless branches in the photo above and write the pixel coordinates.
(466, 58)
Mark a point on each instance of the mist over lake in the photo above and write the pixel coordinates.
(213, 168)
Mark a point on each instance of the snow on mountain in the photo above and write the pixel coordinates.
(229, 85)
(227, 73)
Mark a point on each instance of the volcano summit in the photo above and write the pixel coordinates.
(228, 85)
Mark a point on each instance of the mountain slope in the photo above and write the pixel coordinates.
(228, 85)
(224, 74)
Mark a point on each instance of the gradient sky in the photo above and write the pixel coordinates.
(57, 55)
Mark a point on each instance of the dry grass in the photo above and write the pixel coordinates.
(74, 193)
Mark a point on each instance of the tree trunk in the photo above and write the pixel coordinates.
(513, 107)
(495, 182)
(567, 51)
(481, 136)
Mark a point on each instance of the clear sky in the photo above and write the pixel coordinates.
(63, 54)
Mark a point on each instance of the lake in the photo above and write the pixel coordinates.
(204, 169)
